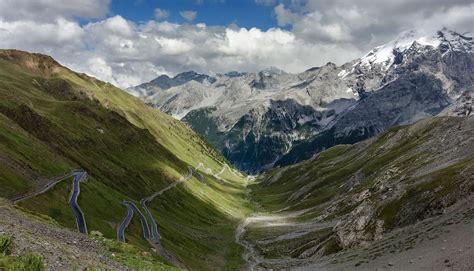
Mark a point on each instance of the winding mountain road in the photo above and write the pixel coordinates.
(151, 234)
(131, 210)
(126, 221)
(43, 189)
(182, 179)
(155, 236)
(209, 171)
(79, 175)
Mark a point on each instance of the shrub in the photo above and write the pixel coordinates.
(6, 244)
(32, 262)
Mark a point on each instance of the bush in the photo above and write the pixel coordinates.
(6, 244)
(32, 262)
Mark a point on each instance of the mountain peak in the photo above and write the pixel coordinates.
(187, 73)
(39, 64)
(235, 74)
(386, 54)
(165, 82)
(272, 71)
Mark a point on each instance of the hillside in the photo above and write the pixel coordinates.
(63, 248)
(53, 121)
(402, 200)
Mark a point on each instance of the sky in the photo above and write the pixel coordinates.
(128, 42)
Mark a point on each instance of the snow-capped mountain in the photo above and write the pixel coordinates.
(259, 119)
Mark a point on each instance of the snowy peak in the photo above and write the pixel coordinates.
(453, 41)
(388, 54)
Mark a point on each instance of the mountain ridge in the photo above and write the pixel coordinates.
(331, 91)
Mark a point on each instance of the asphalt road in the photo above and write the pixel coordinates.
(79, 175)
(131, 209)
(124, 224)
(154, 236)
(43, 189)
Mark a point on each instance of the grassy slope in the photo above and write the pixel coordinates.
(126, 254)
(54, 120)
(407, 173)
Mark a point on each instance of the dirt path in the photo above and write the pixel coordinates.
(250, 255)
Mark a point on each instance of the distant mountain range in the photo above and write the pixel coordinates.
(259, 120)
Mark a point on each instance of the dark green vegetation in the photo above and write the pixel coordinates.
(6, 244)
(203, 123)
(53, 120)
(259, 137)
(350, 195)
(25, 261)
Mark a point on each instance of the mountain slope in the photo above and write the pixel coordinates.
(64, 249)
(360, 201)
(54, 120)
(344, 103)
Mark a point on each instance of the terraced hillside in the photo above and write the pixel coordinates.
(402, 201)
(53, 120)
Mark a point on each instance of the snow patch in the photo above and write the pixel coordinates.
(385, 54)
(343, 74)
(305, 119)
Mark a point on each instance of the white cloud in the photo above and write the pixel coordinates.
(173, 46)
(365, 23)
(127, 53)
(50, 10)
(99, 67)
(188, 15)
(30, 35)
(284, 17)
(161, 13)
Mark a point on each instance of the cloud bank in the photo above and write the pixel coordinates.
(307, 34)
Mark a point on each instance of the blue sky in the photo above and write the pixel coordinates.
(244, 13)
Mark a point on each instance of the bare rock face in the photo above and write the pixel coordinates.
(462, 107)
(358, 228)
